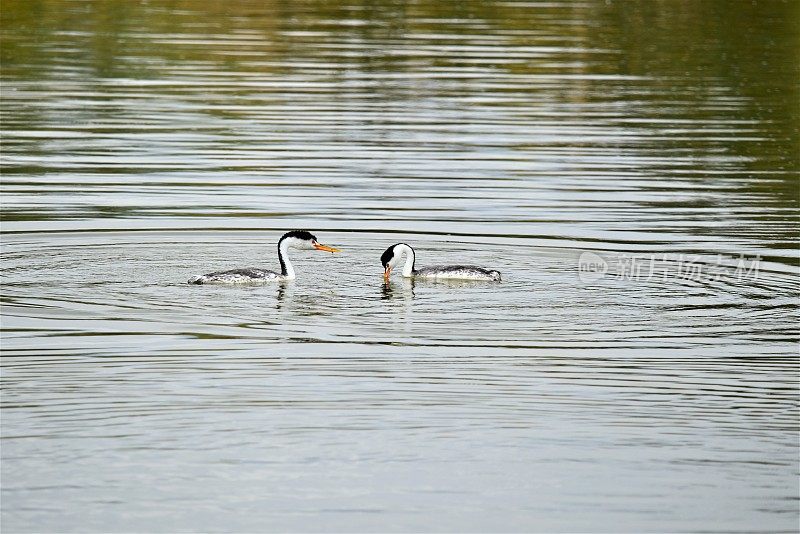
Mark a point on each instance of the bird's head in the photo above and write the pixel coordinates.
(391, 257)
(305, 240)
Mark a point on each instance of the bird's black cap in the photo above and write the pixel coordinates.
(299, 234)
(388, 254)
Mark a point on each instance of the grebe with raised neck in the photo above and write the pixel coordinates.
(299, 239)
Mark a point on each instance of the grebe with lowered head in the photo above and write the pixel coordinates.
(393, 254)
(294, 239)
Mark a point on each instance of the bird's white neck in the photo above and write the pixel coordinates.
(287, 269)
(408, 268)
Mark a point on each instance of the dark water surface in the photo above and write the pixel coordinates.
(631, 168)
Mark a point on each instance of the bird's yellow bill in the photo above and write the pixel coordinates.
(326, 248)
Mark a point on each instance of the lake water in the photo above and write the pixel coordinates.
(630, 168)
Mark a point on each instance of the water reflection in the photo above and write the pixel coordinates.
(489, 117)
(281, 294)
(399, 290)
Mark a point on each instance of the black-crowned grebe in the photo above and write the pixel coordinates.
(393, 255)
(294, 239)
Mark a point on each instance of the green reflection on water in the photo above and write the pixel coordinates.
(666, 60)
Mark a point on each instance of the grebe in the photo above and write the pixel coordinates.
(295, 239)
(392, 256)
